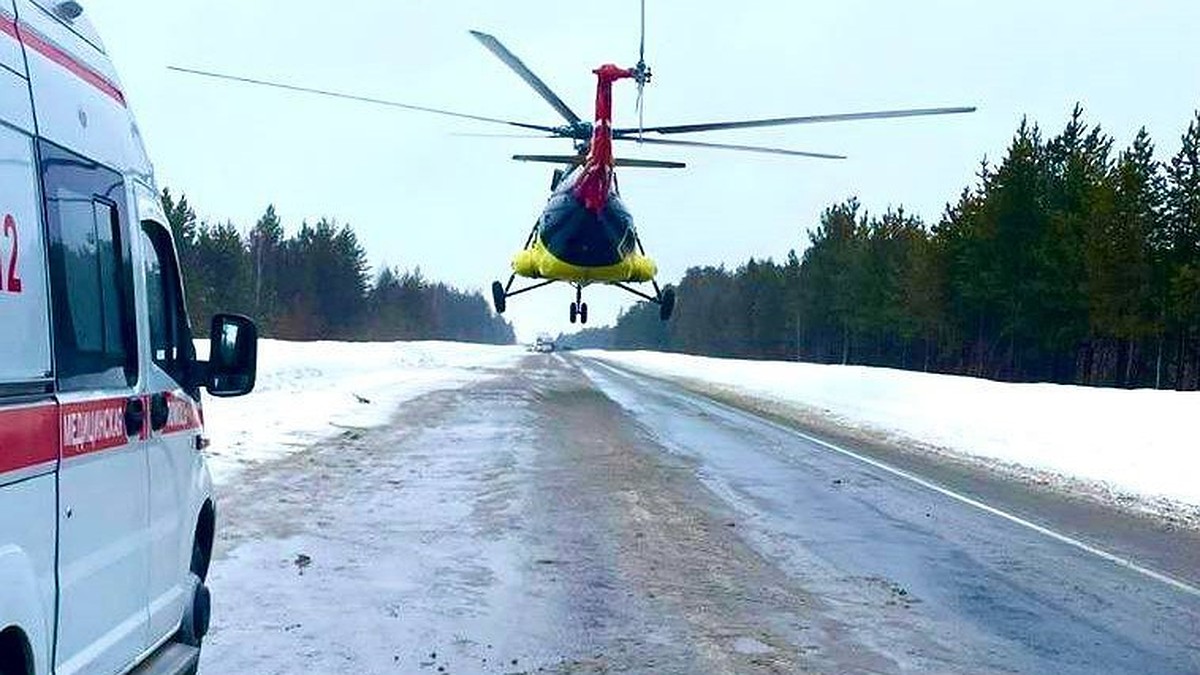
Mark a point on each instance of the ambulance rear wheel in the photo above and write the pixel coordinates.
(574, 312)
(499, 297)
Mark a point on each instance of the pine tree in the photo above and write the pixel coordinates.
(266, 256)
(963, 239)
(181, 218)
(227, 263)
(184, 229)
(1016, 229)
(1183, 256)
(1078, 168)
(1123, 292)
(833, 281)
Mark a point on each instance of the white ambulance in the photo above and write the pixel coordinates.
(106, 510)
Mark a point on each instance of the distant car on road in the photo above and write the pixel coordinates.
(544, 344)
(108, 517)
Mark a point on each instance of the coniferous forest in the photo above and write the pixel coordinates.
(315, 285)
(1070, 260)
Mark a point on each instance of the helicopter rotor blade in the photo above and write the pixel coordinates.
(641, 110)
(726, 146)
(576, 160)
(355, 97)
(495, 47)
(647, 164)
(810, 119)
(481, 135)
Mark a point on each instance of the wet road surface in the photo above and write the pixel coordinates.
(566, 517)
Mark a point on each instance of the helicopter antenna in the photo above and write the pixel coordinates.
(643, 76)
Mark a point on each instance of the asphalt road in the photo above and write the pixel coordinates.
(566, 517)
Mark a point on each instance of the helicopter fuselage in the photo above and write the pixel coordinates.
(585, 233)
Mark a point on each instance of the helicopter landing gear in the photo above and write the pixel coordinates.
(663, 297)
(579, 309)
(499, 297)
(579, 312)
(666, 303)
(501, 293)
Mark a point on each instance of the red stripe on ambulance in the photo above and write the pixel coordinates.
(93, 426)
(8, 26)
(28, 437)
(182, 414)
(31, 39)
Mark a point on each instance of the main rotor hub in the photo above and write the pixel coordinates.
(642, 73)
(580, 131)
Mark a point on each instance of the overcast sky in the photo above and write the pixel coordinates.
(458, 207)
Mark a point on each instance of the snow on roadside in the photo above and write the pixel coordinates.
(307, 391)
(1141, 442)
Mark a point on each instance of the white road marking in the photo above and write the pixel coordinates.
(964, 499)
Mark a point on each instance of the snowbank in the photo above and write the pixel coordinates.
(307, 391)
(1141, 442)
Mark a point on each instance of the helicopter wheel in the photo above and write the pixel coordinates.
(574, 312)
(666, 304)
(583, 313)
(499, 297)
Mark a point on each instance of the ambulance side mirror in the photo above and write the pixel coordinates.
(232, 356)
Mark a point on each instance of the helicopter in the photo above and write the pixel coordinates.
(585, 234)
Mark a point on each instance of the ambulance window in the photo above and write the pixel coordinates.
(171, 345)
(95, 335)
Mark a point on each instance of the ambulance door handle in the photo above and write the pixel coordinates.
(160, 412)
(135, 416)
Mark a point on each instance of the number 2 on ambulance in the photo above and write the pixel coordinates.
(9, 254)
